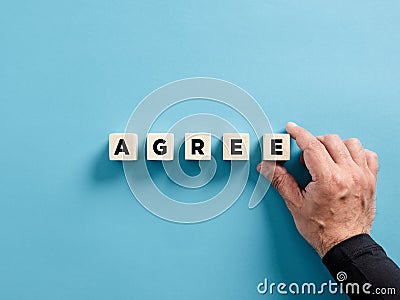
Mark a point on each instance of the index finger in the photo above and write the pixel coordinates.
(316, 157)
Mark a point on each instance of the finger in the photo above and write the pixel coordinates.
(316, 157)
(356, 151)
(283, 182)
(372, 161)
(336, 148)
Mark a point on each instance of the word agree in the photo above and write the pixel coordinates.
(160, 146)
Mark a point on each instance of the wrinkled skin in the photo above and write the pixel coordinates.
(340, 200)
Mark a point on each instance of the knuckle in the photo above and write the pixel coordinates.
(333, 137)
(344, 154)
(314, 144)
(357, 179)
(336, 180)
(374, 155)
(354, 142)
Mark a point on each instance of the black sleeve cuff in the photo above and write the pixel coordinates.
(348, 250)
(360, 260)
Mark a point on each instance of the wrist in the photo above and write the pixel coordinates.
(330, 242)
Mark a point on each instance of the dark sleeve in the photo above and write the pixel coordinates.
(361, 261)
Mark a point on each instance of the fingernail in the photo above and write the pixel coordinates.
(292, 124)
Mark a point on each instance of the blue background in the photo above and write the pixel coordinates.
(71, 72)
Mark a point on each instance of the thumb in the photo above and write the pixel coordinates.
(283, 182)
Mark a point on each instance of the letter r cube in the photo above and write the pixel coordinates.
(197, 146)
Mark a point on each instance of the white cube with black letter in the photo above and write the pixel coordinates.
(197, 146)
(160, 146)
(123, 146)
(276, 146)
(236, 146)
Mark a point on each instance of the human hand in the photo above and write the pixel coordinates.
(339, 202)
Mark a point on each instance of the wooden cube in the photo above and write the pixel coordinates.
(236, 146)
(123, 146)
(197, 146)
(160, 146)
(276, 147)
